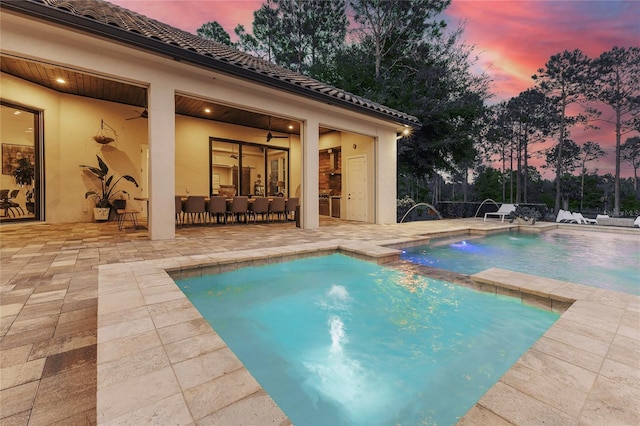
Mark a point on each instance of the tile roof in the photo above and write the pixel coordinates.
(103, 18)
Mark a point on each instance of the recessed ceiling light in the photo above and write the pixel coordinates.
(17, 112)
(60, 80)
(207, 110)
(290, 126)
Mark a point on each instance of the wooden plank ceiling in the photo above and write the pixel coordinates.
(99, 87)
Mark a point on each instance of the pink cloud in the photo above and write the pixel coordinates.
(189, 15)
(515, 38)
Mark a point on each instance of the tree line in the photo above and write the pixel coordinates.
(402, 54)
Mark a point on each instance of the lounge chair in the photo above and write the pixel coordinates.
(565, 217)
(581, 219)
(503, 211)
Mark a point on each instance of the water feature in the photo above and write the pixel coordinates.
(421, 205)
(339, 341)
(598, 259)
(482, 204)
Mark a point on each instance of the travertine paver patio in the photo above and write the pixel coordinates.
(124, 332)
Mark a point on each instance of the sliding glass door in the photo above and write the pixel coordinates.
(20, 195)
(242, 168)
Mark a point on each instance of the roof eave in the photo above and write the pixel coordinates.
(49, 14)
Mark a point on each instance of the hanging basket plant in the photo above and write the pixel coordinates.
(103, 137)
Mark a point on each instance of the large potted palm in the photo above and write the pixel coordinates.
(107, 193)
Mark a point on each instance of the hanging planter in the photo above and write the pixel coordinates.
(103, 140)
(103, 137)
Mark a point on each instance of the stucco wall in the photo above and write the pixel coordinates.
(65, 134)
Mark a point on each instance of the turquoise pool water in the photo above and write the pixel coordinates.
(339, 341)
(597, 259)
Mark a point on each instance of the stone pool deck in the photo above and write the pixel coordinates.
(94, 329)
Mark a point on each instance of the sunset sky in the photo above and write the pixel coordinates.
(512, 38)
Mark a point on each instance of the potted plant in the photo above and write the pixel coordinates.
(107, 192)
(29, 203)
(524, 215)
(24, 175)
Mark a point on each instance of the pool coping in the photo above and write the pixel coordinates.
(158, 359)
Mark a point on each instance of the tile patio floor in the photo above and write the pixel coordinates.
(93, 330)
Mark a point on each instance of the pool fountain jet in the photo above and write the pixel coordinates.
(482, 204)
(421, 204)
(336, 329)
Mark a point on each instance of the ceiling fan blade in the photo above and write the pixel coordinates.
(272, 136)
(141, 114)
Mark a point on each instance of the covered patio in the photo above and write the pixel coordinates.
(178, 109)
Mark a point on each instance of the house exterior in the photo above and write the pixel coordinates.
(186, 115)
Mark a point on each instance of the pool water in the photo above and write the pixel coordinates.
(598, 259)
(340, 341)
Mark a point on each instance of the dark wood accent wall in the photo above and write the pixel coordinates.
(330, 173)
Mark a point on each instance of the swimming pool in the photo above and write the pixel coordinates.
(336, 340)
(598, 259)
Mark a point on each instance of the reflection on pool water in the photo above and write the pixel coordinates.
(598, 259)
(335, 340)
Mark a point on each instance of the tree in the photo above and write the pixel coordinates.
(570, 160)
(563, 80)
(630, 152)
(531, 118)
(616, 76)
(302, 35)
(617, 85)
(448, 97)
(589, 151)
(214, 31)
(487, 183)
(497, 139)
(394, 28)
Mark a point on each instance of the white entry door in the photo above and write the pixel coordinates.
(357, 188)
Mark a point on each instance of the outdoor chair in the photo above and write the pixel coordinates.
(276, 207)
(565, 217)
(260, 206)
(290, 207)
(239, 206)
(217, 206)
(12, 201)
(581, 219)
(179, 214)
(503, 211)
(194, 208)
(123, 213)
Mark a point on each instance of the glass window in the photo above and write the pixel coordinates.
(239, 168)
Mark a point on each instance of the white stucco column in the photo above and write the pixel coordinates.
(162, 173)
(310, 163)
(386, 177)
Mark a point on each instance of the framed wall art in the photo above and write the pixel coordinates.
(12, 153)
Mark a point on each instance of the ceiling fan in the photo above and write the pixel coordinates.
(271, 136)
(142, 114)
